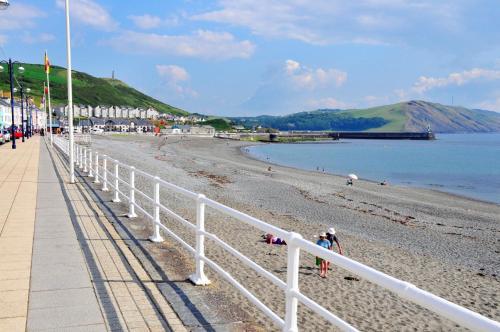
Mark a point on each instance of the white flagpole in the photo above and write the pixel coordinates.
(44, 109)
(70, 99)
(50, 107)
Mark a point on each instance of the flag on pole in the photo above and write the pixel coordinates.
(47, 64)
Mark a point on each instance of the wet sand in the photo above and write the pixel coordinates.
(443, 243)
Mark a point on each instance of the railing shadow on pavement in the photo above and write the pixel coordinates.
(110, 213)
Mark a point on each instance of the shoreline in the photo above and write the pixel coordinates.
(443, 244)
(409, 186)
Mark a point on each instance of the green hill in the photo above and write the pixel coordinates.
(411, 116)
(87, 89)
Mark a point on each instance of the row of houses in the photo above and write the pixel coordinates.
(114, 125)
(38, 120)
(113, 112)
(138, 126)
(125, 112)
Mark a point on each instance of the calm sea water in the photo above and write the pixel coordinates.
(464, 164)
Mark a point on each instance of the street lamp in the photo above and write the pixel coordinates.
(21, 87)
(28, 114)
(4, 4)
(10, 65)
(70, 99)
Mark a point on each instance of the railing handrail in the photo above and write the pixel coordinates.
(445, 308)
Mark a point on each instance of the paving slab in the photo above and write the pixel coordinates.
(18, 185)
(61, 294)
(83, 276)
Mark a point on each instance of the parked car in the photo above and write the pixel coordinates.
(2, 139)
(6, 135)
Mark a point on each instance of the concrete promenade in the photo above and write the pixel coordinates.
(63, 267)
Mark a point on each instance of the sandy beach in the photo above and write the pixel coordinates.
(445, 244)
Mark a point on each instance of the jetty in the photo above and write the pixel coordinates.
(305, 136)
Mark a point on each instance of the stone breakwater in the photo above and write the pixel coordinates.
(442, 243)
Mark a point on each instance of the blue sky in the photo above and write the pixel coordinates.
(251, 57)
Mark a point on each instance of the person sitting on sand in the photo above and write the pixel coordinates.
(323, 264)
(349, 182)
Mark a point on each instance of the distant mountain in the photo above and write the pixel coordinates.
(87, 89)
(411, 116)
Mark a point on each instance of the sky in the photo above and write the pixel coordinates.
(253, 57)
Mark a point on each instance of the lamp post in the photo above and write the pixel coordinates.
(4, 4)
(70, 99)
(10, 65)
(28, 113)
(21, 88)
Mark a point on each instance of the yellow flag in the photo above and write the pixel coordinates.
(47, 64)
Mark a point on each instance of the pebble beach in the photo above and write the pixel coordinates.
(442, 243)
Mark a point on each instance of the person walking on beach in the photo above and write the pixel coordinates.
(330, 236)
(323, 264)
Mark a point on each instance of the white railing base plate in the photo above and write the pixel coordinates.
(156, 239)
(202, 281)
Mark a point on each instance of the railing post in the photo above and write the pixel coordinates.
(96, 177)
(75, 156)
(199, 278)
(105, 173)
(292, 283)
(85, 167)
(131, 200)
(81, 157)
(156, 237)
(117, 182)
(91, 172)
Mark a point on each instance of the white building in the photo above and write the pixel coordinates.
(6, 113)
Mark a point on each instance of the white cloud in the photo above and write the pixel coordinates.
(311, 78)
(332, 21)
(201, 44)
(490, 105)
(20, 16)
(376, 100)
(172, 73)
(90, 13)
(43, 37)
(291, 66)
(329, 102)
(175, 77)
(146, 21)
(424, 83)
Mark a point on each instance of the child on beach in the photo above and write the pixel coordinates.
(323, 264)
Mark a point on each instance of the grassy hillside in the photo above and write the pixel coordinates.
(315, 120)
(87, 89)
(416, 115)
(411, 116)
(393, 114)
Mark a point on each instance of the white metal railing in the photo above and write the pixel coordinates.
(295, 243)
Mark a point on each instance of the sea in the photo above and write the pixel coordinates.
(462, 164)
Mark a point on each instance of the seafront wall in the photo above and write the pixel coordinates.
(298, 136)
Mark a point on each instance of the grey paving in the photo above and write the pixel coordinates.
(62, 296)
